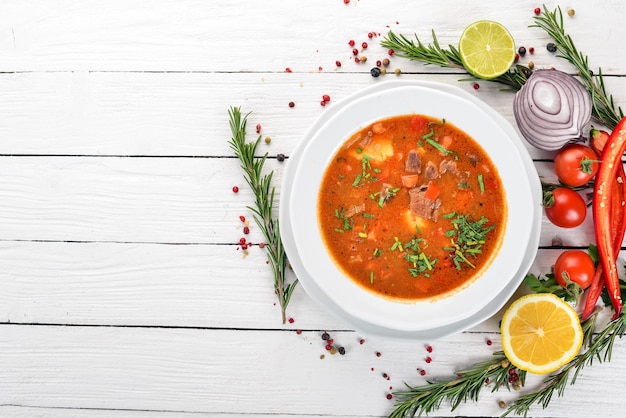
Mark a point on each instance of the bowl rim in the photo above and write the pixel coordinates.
(404, 315)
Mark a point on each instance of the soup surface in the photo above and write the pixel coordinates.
(411, 208)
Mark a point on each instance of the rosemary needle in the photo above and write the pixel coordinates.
(261, 185)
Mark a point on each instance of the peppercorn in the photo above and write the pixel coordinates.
(355, 51)
(537, 10)
(502, 404)
(397, 71)
(551, 47)
(522, 51)
(351, 42)
(531, 65)
(379, 63)
(571, 12)
(338, 63)
(326, 98)
(268, 139)
(383, 71)
(325, 336)
(531, 50)
(291, 104)
(363, 59)
(375, 72)
(235, 189)
(280, 158)
(364, 45)
(258, 128)
(389, 396)
(341, 350)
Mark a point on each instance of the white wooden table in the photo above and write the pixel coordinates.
(122, 290)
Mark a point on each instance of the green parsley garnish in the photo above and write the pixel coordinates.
(467, 238)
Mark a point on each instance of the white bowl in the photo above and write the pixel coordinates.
(359, 305)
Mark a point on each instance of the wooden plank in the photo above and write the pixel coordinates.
(205, 286)
(193, 35)
(211, 372)
(185, 114)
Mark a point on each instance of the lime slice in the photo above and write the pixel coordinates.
(487, 49)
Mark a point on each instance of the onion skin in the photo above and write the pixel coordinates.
(551, 109)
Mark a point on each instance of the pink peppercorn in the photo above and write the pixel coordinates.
(338, 63)
(235, 189)
(351, 42)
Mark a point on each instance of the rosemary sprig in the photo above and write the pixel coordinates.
(604, 109)
(418, 400)
(448, 58)
(261, 185)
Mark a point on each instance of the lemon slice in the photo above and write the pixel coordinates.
(487, 49)
(540, 333)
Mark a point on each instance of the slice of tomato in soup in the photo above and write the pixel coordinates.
(418, 123)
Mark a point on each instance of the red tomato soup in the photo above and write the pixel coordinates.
(412, 208)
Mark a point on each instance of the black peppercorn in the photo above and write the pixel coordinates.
(375, 72)
(280, 157)
(522, 51)
(551, 47)
(325, 336)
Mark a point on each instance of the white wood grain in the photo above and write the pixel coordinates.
(268, 372)
(192, 35)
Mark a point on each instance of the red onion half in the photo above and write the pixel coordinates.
(552, 109)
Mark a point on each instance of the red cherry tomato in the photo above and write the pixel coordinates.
(574, 266)
(565, 208)
(576, 164)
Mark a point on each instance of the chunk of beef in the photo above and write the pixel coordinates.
(422, 206)
(431, 171)
(413, 163)
(448, 165)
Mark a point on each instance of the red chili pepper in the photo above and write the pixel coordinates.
(618, 223)
(603, 211)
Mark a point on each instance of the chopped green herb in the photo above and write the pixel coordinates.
(371, 276)
(397, 244)
(347, 221)
(377, 252)
(440, 147)
(367, 215)
(481, 184)
(363, 234)
(467, 239)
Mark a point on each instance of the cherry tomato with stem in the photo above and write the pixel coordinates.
(576, 164)
(574, 266)
(564, 207)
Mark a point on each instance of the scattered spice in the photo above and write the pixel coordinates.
(389, 396)
(351, 42)
(325, 336)
(476, 86)
(355, 52)
(537, 11)
(516, 57)
(571, 12)
(363, 59)
(235, 189)
(386, 62)
(361, 341)
(488, 341)
(291, 104)
(242, 218)
(280, 157)
(551, 47)
(428, 359)
(422, 372)
(397, 71)
(341, 350)
(390, 52)
(291, 320)
(246, 230)
(375, 72)
(268, 139)
(364, 45)
(326, 98)
(429, 348)
(531, 50)
(531, 65)
(502, 404)
(378, 354)
(338, 63)
(258, 128)
(298, 331)
(261, 245)
(521, 51)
